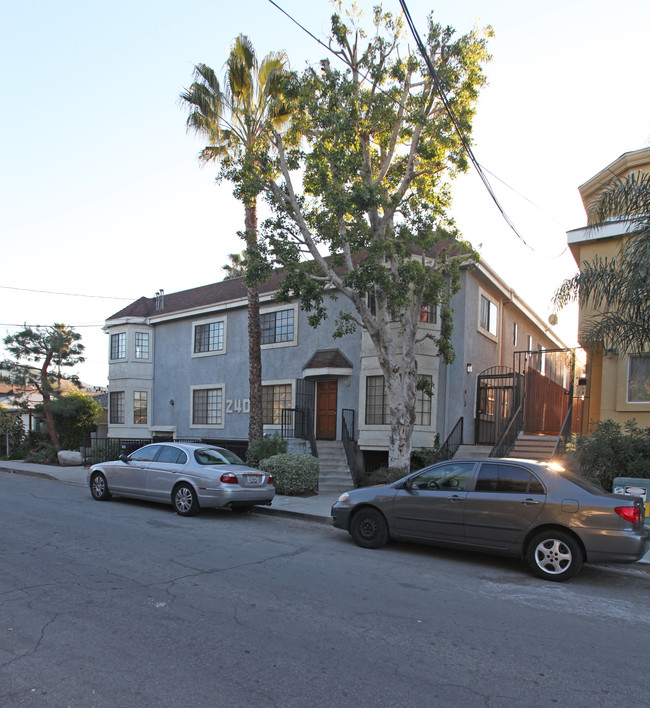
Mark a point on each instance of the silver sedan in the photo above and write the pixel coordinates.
(187, 476)
(554, 519)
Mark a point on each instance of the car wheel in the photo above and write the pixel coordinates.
(554, 555)
(184, 500)
(369, 528)
(99, 487)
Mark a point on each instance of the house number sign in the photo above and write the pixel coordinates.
(238, 405)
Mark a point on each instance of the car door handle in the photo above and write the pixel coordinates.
(454, 498)
(528, 502)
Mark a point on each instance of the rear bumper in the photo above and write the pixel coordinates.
(617, 546)
(217, 498)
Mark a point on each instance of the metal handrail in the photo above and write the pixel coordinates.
(454, 440)
(509, 435)
(562, 437)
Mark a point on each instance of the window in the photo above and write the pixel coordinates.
(116, 407)
(147, 453)
(530, 343)
(208, 337)
(171, 455)
(452, 475)
(140, 407)
(488, 316)
(274, 400)
(141, 345)
(277, 327)
(429, 314)
(377, 410)
(207, 406)
(118, 346)
(514, 334)
(638, 379)
(512, 479)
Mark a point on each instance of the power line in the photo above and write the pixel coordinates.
(51, 292)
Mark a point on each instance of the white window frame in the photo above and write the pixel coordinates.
(646, 356)
(135, 346)
(274, 308)
(281, 382)
(126, 346)
(207, 321)
(492, 304)
(222, 415)
(148, 397)
(110, 407)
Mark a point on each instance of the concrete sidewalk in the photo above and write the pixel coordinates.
(316, 508)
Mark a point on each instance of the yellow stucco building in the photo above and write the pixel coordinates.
(618, 383)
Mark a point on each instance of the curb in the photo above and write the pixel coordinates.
(29, 473)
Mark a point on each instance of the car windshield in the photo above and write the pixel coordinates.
(213, 456)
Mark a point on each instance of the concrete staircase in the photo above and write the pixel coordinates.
(472, 451)
(534, 447)
(334, 471)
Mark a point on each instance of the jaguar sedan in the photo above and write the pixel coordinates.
(554, 519)
(187, 476)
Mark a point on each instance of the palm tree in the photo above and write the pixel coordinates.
(619, 287)
(236, 121)
(237, 266)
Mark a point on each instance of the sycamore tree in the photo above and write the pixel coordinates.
(38, 356)
(363, 193)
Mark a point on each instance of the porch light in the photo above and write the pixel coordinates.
(469, 368)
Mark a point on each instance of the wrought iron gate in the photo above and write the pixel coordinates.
(498, 395)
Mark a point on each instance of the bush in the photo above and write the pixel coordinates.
(11, 425)
(613, 451)
(42, 453)
(75, 417)
(294, 475)
(384, 475)
(266, 447)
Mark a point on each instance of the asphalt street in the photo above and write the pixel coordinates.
(127, 604)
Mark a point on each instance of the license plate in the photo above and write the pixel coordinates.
(253, 479)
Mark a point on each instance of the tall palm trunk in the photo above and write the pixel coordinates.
(255, 420)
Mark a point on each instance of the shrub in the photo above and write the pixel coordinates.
(75, 417)
(12, 431)
(294, 475)
(384, 475)
(613, 451)
(266, 447)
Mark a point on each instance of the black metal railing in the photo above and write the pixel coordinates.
(95, 450)
(507, 440)
(299, 423)
(348, 427)
(454, 440)
(565, 433)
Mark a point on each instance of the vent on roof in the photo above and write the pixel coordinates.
(160, 300)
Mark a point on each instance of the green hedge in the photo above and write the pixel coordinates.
(294, 474)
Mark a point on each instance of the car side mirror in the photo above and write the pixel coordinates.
(123, 458)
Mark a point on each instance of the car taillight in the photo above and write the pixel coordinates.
(229, 478)
(630, 513)
(270, 479)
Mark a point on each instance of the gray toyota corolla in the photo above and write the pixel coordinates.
(187, 476)
(554, 519)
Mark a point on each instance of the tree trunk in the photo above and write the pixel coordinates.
(255, 421)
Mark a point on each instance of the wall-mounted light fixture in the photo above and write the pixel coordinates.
(171, 403)
(469, 368)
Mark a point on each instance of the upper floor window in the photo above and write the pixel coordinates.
(116, 408)
(209, 337)
(118, 346)
(488, 315)
(638, 379)
(530, 343)
(429, 314)
(142, 345)
(277, 327)
(515, 333)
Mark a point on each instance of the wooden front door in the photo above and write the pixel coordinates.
(326, 410)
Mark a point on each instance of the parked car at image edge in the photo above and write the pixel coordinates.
(187, 476)
(553, 518)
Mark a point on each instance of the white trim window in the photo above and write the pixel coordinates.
(142, 345)
(377, 410)
(116, 402)
(488, 316)
(140, 407)
(207, 406)
(118, 346)
(279, 327)
(638, 378)
(275, 398)
(209, 337)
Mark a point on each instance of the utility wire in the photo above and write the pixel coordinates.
(51, 292)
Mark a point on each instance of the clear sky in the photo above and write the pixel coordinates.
(102, 199)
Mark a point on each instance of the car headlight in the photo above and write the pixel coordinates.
(344, 497)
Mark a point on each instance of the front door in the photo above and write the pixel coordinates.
(326, 410)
